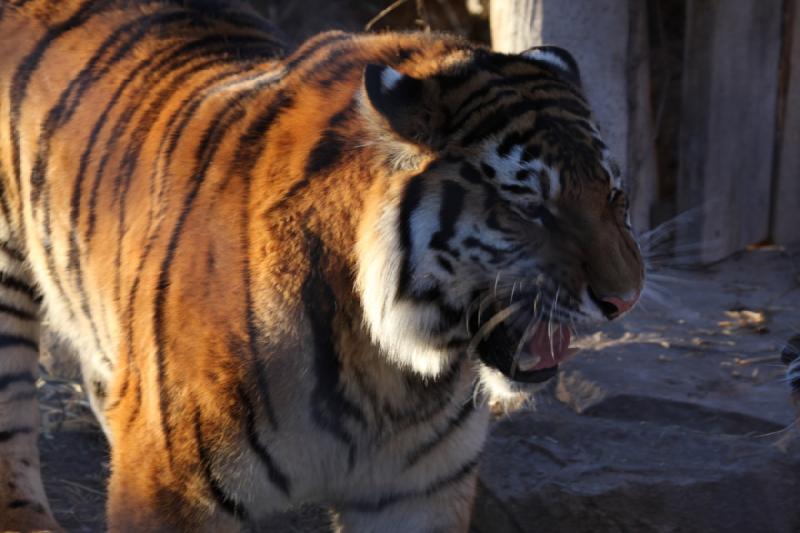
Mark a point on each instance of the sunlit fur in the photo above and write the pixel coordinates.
(277, 266)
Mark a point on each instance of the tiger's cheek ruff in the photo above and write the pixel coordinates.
(401, 325)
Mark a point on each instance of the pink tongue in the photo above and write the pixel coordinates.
(550, 354)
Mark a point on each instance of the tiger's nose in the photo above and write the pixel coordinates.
(615, 306)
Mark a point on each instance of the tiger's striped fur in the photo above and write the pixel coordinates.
(790, 356)
(274, 266)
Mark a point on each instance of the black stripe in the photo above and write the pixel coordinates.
(452, 425)
(172, 133)
(451, 205)
(5, 247)
(4, 205)
(329, 405)
(10, 282)
(470, 173)
(305, 52)
(74, 259)
(47, 246)
(11, 341)
(13, 432)
(513, 85)
(455, 127)
(496, 253)
(70, 99)
(16, 504)
(206, 151)
(210, 141)
(30, 64)
(544, 184)
(445, 264)
(329, 146)
(378, 505)
(130, 159)
(411, 200)
(137, 399)
(502, 116)
(16, 312)
(20, 377)
(324, 155)
(517, 189)
(424, 398)
(276, 476)
(488, 170)
(225, 501)
(250, 146)
(164, 64)
(113, 50)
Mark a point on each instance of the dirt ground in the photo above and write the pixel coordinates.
(700, 352)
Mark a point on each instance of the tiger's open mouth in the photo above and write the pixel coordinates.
(530, 354)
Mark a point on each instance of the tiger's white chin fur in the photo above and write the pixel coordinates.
(504, 395)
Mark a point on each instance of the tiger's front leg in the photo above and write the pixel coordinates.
(23, 504)
(446, 508)
(164, 474)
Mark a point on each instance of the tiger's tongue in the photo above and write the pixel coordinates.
(550, 347)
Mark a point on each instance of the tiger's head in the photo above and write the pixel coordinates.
(503, 221)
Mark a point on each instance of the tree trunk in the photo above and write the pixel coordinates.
(609, 41)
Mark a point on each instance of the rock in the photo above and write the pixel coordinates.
(555, 470)
(669, 421)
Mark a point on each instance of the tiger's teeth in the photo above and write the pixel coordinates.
(527, 361)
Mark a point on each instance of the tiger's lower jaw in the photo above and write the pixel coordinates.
(532, 358)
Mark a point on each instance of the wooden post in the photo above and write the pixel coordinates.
(785, 222)
(728, 121)
(609, 41)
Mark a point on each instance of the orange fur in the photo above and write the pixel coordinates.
(198, 241)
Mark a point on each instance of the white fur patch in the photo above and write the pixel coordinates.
(547, 56)
(588, 306)
(390, 78)
(508, 166)
(502, 394)
(398, 326)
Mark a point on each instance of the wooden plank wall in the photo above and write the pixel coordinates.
(786, 192)
(728, 125)
(739, 140)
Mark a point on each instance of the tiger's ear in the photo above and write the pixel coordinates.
(403, 101)
(555, 59)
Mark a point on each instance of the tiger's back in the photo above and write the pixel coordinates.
(267, 262)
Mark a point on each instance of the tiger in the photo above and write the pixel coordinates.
(790, 357)
(293, 275)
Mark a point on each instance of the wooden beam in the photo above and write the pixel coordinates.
(728, 121)
(785, 222)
